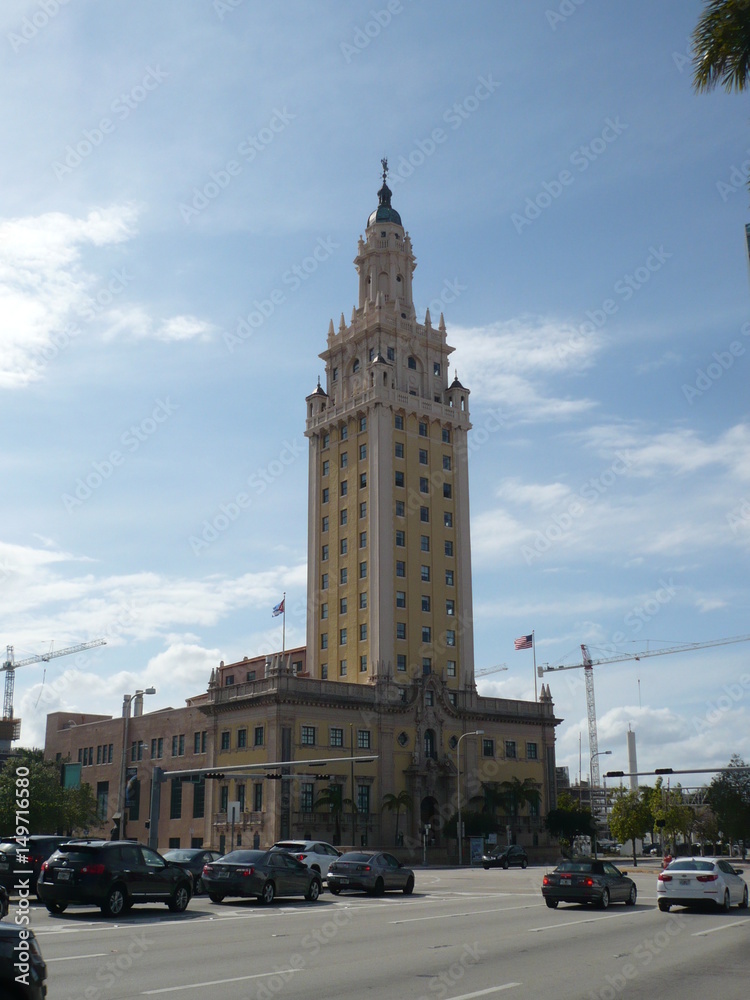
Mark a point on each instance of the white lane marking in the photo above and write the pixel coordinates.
(472, 913)
(735, 923)
(589, 920)
(71, 958)
(219, 982)
(484, 993)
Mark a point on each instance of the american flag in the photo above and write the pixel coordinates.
(524, 641)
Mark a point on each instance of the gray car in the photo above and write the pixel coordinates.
(263, 874)
(369, 870)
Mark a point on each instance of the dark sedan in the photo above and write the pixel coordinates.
(192, 860)
(263, 874)
(588, 881)
(504, 857)
(371, 871)
(19, 946)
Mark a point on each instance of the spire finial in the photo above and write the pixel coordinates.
(384, 164)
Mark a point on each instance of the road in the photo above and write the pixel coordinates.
(463, 934)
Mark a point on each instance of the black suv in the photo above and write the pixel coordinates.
(111, 874)
(17, 946)
(504, 857)
(37, 847)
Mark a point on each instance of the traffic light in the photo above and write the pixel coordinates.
(219, 775)
(321, 777)
(274, 777)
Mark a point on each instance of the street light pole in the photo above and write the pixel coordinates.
(477, 732)
(600, 753)
(127, 702)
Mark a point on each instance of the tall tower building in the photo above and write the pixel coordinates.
(389, 551)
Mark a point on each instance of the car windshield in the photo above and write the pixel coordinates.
(8, 848)
(242, 857)
(289, 845)
(575, 866)
(78, 852)
(179, 855)
(691, 866)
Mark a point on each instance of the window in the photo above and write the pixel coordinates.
(399, 479)
(343, 488)
(400, 539)
(325, 495)
(240, 793)
(401, 662)
(342, 637)
(324, 582)
(175, 799)
(362, 452)
(363, 571)
(426, 665)
(308, 736)
(343, 546)
(324, 553)
(363, 423)
(343, 517)
(425, 602)
(306, 797)
(400, 508)
(452, 697)
(157, 749)
(335, 375)
(258, 797)
(363, 739)
(363, 664)
(343, 576)
(450, 637)
(250, 675)
(424, 543)
(412, 363)
(225, 738)
(429, 698)
(337, 736)
(450, 668)
(342, 668)
(447, 519)
(326, 467)
(488, 748)
(423, 456)
(343, 606)
(355, 366)
(363, 509)
(199, 800)
(400, 630)
(363, 539)
(362, 632)
(324, 524)
(422, 429)
(258, 736)
(510, 748)
(363, 599)
(324, 640)
(399, 450)
(362, 480)
(399, 420)
(424, 515)
(344, 433)
(241, 738)
(224, 798)
(447, 463)
(446, 436)
(390, 353)
(400, 568)
(449, 578)
(447, 491)
(324, 671)
(326, 440)
(102, 799)
(429, 744)
(450, 607)
(324, 611)
(449, 548)
(435, 367)
(344, 459)
(400, 598)
(424, 484)
(426, 633)
(531, 751)
(425, 572)
(363, 799)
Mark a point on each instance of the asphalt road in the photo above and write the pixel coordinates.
(463, 934)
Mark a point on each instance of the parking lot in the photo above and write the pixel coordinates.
(463, 933)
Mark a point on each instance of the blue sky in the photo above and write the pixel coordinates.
(183, 186)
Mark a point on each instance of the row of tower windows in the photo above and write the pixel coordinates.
(411, 363)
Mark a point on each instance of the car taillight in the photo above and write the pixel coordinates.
(97, 869)
(707, 878)
(300, 857)
(545, 880)
(44, 866)
(366, 868)
(247, 871)
(664, 877)
(589, 882)
(207, 869)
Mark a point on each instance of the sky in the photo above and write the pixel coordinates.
(183, 187)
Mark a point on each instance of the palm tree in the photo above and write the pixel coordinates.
(395, 803)
(721, 46)
(517, 793)
(332, 799)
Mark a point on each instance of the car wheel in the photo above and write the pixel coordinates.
(199, 887)
(505, 865)
(552, 903)
(743, 904)
(269, 891)
(604, 901)
(314, 891)
(727, 904)
(524, 863)
(630, 901)
(664, 906)
(180, 898)
(115, 903)
(379, 888)
(334, 889)
(57, 907)
(216, 897)
(486, 867)
(409, 887)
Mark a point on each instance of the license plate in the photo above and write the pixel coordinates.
(63, 875)
(343, 881)
(684, 881)
(222, 874)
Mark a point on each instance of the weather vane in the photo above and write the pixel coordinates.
(384, 163)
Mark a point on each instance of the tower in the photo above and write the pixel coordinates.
(389, 550)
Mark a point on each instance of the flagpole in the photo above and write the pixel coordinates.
(533, 649)
(283, 627)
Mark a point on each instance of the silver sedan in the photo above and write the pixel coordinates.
(369, 870)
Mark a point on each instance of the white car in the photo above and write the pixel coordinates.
(314, 853)
(693, 881)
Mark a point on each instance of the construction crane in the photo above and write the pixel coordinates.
(490, 670)
(10, 728)
(588, 672)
